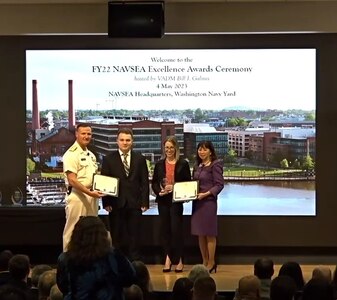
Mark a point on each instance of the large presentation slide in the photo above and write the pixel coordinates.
(150, 81)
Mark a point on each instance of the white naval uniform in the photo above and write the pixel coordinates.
(83, 164)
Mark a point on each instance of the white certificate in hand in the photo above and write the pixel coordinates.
(106, 185)
(185, 190)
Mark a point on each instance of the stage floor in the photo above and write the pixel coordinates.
(226, 278)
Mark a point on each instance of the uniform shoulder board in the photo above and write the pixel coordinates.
(73, 148)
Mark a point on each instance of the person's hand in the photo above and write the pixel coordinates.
(203, 195)
(168, 188)
(108, 208)
(162, 193)
(144, 209)
(96, 194)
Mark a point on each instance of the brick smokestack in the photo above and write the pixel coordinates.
(35, 108)
(71, 112)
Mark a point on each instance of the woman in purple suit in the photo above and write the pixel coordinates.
(209, 172)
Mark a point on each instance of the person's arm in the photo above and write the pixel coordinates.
(145, 186)
(155, 179)
(218, 180)
(73, 182)
(105, 170)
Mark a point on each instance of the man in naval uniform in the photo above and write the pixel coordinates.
(79, 166)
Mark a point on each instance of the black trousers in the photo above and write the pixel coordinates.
(171, 230)
(125, 231)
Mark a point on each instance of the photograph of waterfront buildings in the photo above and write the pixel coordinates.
(268, 150)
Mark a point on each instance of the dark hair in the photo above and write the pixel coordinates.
(204, 287)
(142, 275)
(125, 130)
(207, 145)
(182, 289)
(318, 288)
(282, 288)
(5, 256)
(293, 270)
(264, 268)
(83, 125)
(19, 266)
(89, 241)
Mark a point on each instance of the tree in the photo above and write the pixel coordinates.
(284, 163)
(308, 163)
(198, 115)
(230, 157)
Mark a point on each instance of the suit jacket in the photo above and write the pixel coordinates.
(133, 189)
(181, 173)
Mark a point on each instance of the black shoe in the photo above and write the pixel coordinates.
(213, 269)
(168, 269)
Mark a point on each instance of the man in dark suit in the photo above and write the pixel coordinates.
(126, 209)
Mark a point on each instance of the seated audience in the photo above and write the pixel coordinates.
(293, 270)
(91, 268)
(204, 288)
(283, 288)
(143, 279)
(249, 288)
(318, 289)
(37, 270)
(8, 292)
(182, 289)
(5, 256)
(264, 270)
(55, 293)
(198, 271)
(35, 275)
(46, 281)
(322, 272)
(134, 292)
(19, 268)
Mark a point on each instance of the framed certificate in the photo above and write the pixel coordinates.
(106, 184)
(185, 190)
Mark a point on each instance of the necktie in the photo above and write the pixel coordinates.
(126, 165)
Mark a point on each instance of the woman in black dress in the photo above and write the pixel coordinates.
(172, 168)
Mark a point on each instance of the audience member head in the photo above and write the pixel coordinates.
(10, 292)
(264, 268)
(133, 292)
(322, 272)
(249, 287)
(204, 288)
(55, 293)
(282, 288)
(198, 271)
(37, 271)
(89, 241)
(19, 267)
(5, 256)
(143, 276)
(293, 270)
(46, 281)
(182, 289)
(318, 289)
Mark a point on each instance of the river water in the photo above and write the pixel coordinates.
(268, 198)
